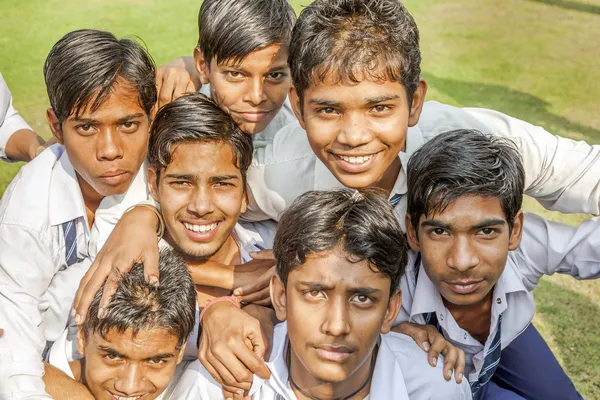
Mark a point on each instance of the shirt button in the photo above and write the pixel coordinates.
(499, 300)
(465, 335)
(442, 317)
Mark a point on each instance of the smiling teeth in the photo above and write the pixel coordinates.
(200, 228)
(126, 398)
(356, 160)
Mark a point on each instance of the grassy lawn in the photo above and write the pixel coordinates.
(533, 59)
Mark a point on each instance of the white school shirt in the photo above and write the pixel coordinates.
(546, 248)
(10, 120)
(36, 286)
(401, 373)
(562, 174)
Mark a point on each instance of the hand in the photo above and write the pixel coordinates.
(175, 79)
(232, 348)
(38, 148)
(431, 341)
(132, 241)
(256, 290)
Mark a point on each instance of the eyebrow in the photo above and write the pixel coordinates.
(278, 68)
(381, 99)
(130, 117)
(111, 351)
(186, 177)
(364, 290)
(356, 290)
(488, 222)
(161, 356)
(315, 285)
(92, 121)
(220, 178)
(327, 103)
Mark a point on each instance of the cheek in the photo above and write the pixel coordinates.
(97, 373)
(226, 93)
(277, 93)
(173, 201)
(229, 202)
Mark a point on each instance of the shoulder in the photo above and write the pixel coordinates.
(421, 379)
(261, 232)
(194, 382)
(289, 144)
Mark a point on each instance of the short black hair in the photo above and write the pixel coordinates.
(354, 40)
(231, 29)
(196, 118)
(464, 162)
(137, 304)
(362, 223)
(83, 66)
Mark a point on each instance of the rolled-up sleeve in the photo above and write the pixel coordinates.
(10, 120)
(26, 270)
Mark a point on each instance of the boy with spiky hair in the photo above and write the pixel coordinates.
(134, 350)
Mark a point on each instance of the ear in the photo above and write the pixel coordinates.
(202, 67)
(517, 231)
(296, 106)
(153, 183)
(244, 202)
(278, 298)
(418, 99)
(181, 352)
(54, 125)
(411, 234)
(392, 311)
(81, 341)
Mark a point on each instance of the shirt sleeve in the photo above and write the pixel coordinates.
(26, 269)
(551, 247)
(10, 120)
(561, 174)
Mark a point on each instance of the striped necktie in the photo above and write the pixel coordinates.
(395, 199)
(70, 234)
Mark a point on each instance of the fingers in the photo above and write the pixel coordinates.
(164, 87)
(261, 296)
(150, 260)
(450, 357)
(180, 88)
(88, 290)
(191, 88)
(263, 255)
(459, 370)
(259, 285)
(438, 343)
(417, 332)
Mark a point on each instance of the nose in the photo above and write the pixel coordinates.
(131, 380)
(462, 256)
(256, 93)
(201, 202)
(354, 131)
(337, 322)
(108, 145)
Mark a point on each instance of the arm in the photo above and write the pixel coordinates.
(60, 386)
(26, 270)
(551, 247)
(175, 79)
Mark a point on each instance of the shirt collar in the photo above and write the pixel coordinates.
(66, 201)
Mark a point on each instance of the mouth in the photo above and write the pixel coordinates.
(114, 396)
(464, 287)
(114, 177)
(252, 116)
(334, 353)
(356, 163)
(201, 231)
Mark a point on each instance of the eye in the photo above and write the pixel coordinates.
(130, 126)
(233, 74)
(276, 75)
(488, 232)
(327, 111)
(157, 362)
(179, 183)
(224, 184)
(381, 108)
(111, 358)
(438, 231)
(362, 299)
(85, 128)
(314, 294)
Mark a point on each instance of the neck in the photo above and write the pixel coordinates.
(312, 387)
(388, 180)
(91, 199)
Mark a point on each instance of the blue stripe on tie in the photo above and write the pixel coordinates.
(395, 199)
(490, 361)
(70, 234)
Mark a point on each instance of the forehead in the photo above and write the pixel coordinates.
(203, 158)
(146, 343)
(342, 89)
(336, 268)
(122, 100)
(260, 60)
(467, 211)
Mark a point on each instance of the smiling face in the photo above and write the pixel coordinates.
(335, 310)
(201, 194)
(124, 365)
(358, 129)
(254, 90)
(106, 146)
(464, 248)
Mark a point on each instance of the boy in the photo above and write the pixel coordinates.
(135, 349)
(101, 91)
(479, 258)
(340, 256)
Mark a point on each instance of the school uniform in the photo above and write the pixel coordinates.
(546, 248)
(10, 120)
(45, 246)
(562, 174)
(401, 372)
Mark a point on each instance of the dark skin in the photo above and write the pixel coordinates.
(475, 319)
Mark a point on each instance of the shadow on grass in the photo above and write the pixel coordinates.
(574, 322)
(572, 5)
(514, 103)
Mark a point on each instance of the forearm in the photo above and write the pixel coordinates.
(23, 145)
(213, 274)
(60, 386)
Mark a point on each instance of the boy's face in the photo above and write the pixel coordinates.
(335, 310)
(201, 194)
(358, 129)
(128, 365)
(106, 146)
(252, 92)
(464, 248)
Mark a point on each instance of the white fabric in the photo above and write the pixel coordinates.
(10, 120)
(546, 248)
(36, 287)
(561, 174)
(401, 372)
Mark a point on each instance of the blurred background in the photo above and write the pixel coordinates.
(537, 60)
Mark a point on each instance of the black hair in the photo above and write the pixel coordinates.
(83, 67)
(362, 223)
(464, 162)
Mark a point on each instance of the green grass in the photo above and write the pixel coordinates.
(533, 59)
